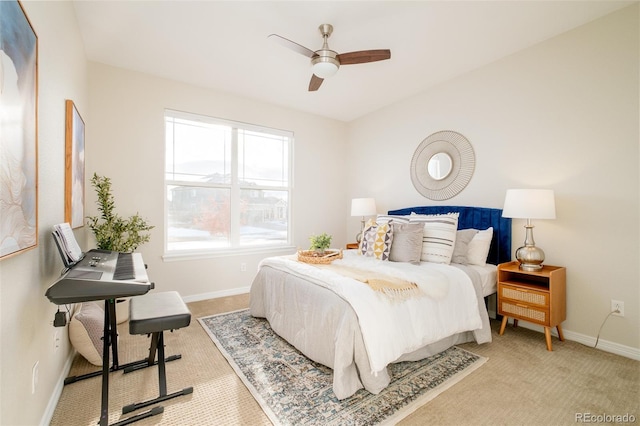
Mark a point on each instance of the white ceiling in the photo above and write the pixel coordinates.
(223, 44)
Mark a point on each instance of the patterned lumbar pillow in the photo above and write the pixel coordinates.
(376, 240)
(86, 331)
(439, 236)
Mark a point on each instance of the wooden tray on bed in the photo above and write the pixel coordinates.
(312, 256)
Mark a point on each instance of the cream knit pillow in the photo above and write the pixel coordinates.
(86, 331)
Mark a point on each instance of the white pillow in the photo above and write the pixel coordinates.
(478, 248)
(439, 236)
(86, 331)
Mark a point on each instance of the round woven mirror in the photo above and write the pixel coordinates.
(442, 165)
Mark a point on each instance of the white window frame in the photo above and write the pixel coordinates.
(235, 248)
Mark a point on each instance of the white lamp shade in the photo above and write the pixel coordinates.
(363, 207)
(529, 204)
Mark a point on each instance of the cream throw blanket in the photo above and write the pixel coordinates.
(429, 283)
(393, 287)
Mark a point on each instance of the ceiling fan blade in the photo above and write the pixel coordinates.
(364, 56)
(315, 83)
(292, 45)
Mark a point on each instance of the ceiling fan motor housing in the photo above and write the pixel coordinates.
(325, 62)
(326, 56)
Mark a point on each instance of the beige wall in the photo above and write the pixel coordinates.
(26, 315)
(561, 115)
(126, 137)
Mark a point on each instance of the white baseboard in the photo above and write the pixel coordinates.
(604, 345)
(216, 294)
(57, 391)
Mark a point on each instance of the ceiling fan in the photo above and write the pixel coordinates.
(325, 62)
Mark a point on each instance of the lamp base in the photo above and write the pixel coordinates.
(359, 235)
(530, 258)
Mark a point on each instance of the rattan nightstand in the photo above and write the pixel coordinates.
(538, 297)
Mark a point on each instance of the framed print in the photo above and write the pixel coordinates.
(74, 167)
(18, 131)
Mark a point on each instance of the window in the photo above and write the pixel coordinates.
(228, 185)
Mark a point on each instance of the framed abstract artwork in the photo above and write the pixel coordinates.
(19, 130)
(74, 167)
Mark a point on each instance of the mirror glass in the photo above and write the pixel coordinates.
(439, 166)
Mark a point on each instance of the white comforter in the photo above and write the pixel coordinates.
(373, 330)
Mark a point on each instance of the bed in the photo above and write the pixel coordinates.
(335, 320)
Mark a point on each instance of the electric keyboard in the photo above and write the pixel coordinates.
(101, 275)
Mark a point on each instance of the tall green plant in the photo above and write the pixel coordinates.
(113, 232)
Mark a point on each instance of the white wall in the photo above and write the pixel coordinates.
(125, 141)
(562, 115)
(26, 315)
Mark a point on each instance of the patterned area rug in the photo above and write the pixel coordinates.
(293, 390)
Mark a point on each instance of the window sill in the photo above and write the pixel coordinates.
(195, 255)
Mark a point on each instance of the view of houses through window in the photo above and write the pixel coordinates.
(227, 184)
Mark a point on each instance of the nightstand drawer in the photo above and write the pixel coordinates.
(525, 312)
(528, 296)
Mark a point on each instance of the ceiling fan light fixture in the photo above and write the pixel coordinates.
(325, 66)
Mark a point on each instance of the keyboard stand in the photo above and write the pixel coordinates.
(113, 340)
(110, 338)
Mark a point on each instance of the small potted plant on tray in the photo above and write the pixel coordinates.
(318, 251)
(319, 243)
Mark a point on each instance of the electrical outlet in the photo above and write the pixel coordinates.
(617, 307)
(243, 267)
(56, 341)
(34, 377)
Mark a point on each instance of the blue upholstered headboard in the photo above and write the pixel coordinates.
(477, 218)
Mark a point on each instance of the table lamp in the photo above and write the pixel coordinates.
(529, 204)
(362, 207)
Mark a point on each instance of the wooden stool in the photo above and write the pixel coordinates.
(152, 314)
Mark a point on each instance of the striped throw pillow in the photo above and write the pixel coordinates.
(439, 236)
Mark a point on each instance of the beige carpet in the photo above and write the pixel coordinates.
(521, 384)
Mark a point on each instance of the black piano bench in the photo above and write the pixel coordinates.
(152, 314)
